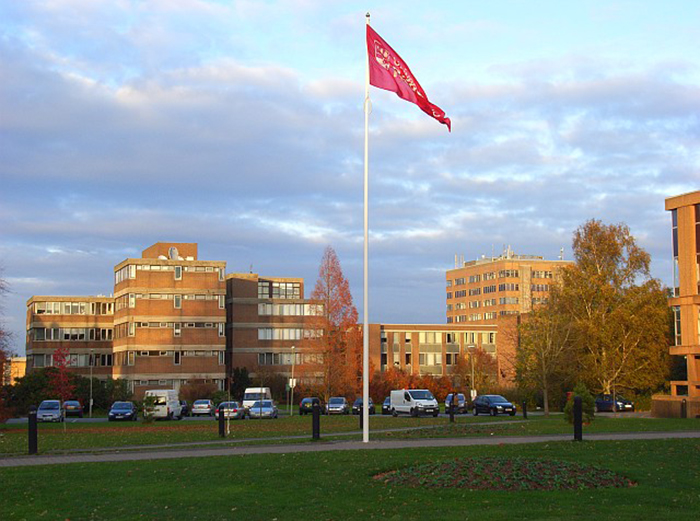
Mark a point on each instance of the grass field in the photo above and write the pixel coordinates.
(341, 485)
(86, 436)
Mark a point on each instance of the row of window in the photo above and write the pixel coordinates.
(129, 328)
(129, 271)
(288, 358)
(295, 310)
(71, 334)
(435, 337)
(285, 290)
(474, 317)
(424, 359)
(73, 308)
(493, 288)
(74, 360)
(130, 299)
(287, 333)
(514, 273)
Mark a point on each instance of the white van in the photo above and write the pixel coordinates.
(414, 402)
(255, 394)
(167, 404)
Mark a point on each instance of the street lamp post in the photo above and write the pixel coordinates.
(91, 362)
(291, 384)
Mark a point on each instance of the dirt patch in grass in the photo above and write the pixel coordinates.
(512, 474)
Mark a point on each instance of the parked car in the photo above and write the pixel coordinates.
(492, 404)
(337, 405)
(166, 404)
(185, 408)
(50, 411)
(386, 406)
(202, 407)
(255, 394)
(73, 408)
(306, 406)
(357, 406)
(124, 411)
(460, 404)
(232, 410)
(612, 403)
(262, 409)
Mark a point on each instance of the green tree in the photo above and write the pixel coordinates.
(543, 359)
(587, 404)
(617, 312)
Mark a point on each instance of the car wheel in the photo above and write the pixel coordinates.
(493, 412)
(394, 413)
(414, 413)
(475, 411)
(512, 413)
(435, 415)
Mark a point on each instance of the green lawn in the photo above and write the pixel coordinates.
(85, 436)
(340, 485)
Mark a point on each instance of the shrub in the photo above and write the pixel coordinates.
(587, 404)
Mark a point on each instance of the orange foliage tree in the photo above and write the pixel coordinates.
(339, 343)
(60, 380)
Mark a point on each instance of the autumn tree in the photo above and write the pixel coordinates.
(544, 355)
(60, 380)
(618, 314)
(477, 368)
(340, 339)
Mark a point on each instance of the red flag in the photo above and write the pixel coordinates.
(389, 72)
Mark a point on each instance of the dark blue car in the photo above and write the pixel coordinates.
(612, 403)
(123, 411)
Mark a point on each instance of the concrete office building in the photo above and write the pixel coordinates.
(483, 290)
(685, 303)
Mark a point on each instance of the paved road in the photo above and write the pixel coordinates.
(25, 461)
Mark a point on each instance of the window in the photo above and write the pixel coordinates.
(474, 292)
(177, 329)
(178, 272)
(408, 358)
(460, 282)
(449, 294)
(39, 334)
(490, 289)
(461, 293)
(222, 301)
(222, 357)
(132, 300)
(177, 301)
(177, 357)
(222, 329)
(130, 358)
(474, 278)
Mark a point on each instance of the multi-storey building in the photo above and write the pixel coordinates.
(169, 319)
(483, 290)
(82, 325)
(269, 322)
(685, 303)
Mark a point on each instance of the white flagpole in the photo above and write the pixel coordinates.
(365, 304)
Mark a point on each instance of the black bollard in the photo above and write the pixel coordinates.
(684, 408)
(578, 419)
(222, 423)
(452, 408)
(316, 421)
(33, 431)
(362, 418)
(524, 409)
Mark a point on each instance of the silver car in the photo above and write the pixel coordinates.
(203, 407)
(50, 411)
(232, 410)
(337, 405)
(263, 409)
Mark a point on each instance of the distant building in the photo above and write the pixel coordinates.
(483, 290)
(685, 223)
(427, 349)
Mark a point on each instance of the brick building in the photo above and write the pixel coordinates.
(685, 303)
(482, 290)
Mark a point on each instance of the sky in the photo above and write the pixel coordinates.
(239, 125)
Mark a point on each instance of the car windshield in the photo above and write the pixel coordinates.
(335, 401)
(387, 400)
(421, 395)
(201, 402)
(121, 405)
(263, 404)
(227, 405)
(159, 400)
(71, 403)
(497, 399)
(51, 406)
(254, 396)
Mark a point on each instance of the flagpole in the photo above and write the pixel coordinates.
(365, 304)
